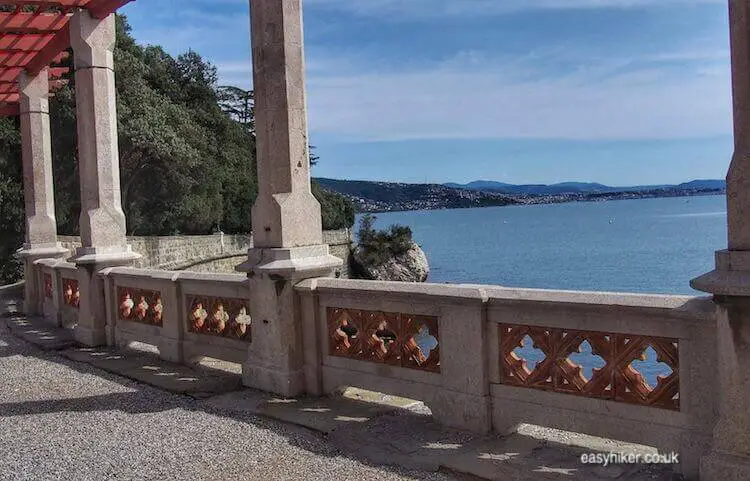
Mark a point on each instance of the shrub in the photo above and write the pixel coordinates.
(377, 246)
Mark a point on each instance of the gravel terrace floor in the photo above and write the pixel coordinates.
(65, 420)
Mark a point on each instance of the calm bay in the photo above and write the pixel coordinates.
(643, 245)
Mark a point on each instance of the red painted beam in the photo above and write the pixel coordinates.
(103, 8)
(9, 110)
(12, 87)
(51, 52)
(16, 59)
(48, 3)
(29, 41)
(23, 22)
(10, 98)
(22, 58)
(10, 74)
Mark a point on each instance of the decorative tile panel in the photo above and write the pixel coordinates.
(48, 285)
(616, 370)
(139, 305)
(71, 293)
(220, 317)
(396, 339)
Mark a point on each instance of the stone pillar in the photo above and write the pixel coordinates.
(730, 281)
(41, 228)
(102, 220)
(287, 232)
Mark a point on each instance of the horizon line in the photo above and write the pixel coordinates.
(524, 183)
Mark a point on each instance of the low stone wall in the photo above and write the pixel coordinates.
(483, 358)
(340, 242)
(487, 358)
(209, 253)
(174, 251)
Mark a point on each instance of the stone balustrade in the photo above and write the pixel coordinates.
(637, 368)
(482, 358)
(669, 402)
(490, 358)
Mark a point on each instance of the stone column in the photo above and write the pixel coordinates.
(102, 220)
(287, 232)
(730, 281)
(36, 142)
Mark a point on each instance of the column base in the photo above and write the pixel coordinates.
(275, 361)
(730, 278)
(105, 256)
(725, 467)
(730, 282)
(43, 251)
(269, 379)
(91, 329)
(291, 263)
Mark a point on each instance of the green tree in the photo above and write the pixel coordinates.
(187, 152)
(239, 104)
(11, 201)
(378, 246)
(337, 210)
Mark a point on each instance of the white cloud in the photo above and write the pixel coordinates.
(352, 96)
(399, 9)
(483, 100)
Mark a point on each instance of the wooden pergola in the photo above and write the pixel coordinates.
(34, 35)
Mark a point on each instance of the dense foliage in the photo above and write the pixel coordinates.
(187, 152)
(337, 210)
(11, 202)
(377, 246)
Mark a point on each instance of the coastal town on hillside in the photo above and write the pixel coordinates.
(374, 197)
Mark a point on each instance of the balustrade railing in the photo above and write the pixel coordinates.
(636, 368)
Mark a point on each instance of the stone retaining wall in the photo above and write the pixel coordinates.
(208, 253)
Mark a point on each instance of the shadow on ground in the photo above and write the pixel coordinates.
(390, 432)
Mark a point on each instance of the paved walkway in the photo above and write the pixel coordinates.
(65, 415)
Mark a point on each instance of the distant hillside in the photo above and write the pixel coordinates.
(704, 184)
(581, 187)
(390, 196)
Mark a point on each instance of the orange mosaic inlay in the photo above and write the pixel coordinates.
(138, 305)
(396, 339)
(220, 317)
(616, 364)
(71, 293)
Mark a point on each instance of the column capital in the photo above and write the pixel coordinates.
(93, 40)
(34, 90)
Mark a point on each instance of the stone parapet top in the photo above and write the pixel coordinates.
(698, 307)
(405, 288)
(173, 275)
(658, 301)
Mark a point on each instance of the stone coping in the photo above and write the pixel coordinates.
(174, 275)
(391, 288)
(497, 295)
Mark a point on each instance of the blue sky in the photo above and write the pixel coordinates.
(524, 91)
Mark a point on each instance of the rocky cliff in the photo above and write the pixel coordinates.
(411, 266)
